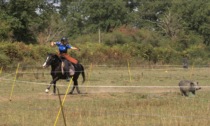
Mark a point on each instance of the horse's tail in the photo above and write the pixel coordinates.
(83, 73)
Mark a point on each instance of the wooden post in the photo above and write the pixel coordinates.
(99, 35)
(1, 70)
(14, 82)
(129, 71)
(64, 120)
(67, 90)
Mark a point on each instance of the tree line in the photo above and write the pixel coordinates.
(153, 30)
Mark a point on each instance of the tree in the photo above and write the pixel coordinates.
(90, 15)
(132, 4)
(5, 25)
(109, 15)
(170, 24)
(5, 21)
(149, 12)
(26, 19)
(24, 11)
(196, 17)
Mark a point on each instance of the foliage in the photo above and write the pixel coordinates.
(5, 25)
(25, 19)
(195, 16)
(157, 32)
(20, 52)
(4, 59)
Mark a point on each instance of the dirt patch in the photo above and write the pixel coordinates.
(98, 90)
(75, 96)
(3, 99)
(105, 93)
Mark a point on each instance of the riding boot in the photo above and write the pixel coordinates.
(67, 70)
(67, 77)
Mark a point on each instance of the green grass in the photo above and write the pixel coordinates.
(102, 106)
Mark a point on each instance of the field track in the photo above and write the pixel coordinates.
(143, 97)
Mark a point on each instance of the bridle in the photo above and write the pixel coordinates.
(50, 59)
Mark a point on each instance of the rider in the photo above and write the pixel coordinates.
(63, 47)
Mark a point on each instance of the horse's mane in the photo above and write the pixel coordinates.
(55, 55)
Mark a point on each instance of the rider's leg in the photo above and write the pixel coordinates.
(71, 59)
(66, 68)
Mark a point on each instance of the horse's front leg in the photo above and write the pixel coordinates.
(48, 88)
(54, 88)
(54, 85)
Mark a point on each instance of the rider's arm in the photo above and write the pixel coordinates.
(52, 43)
(74, 48)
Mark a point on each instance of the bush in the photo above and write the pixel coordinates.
(4, 60)
(116, 37)
(142, 46)
(13, 51)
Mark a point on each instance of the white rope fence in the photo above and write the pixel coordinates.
(96, 86)
(166, 67)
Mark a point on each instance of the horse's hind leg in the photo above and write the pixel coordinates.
(72, 90)
(75, 77)
(76, 85)
(78, 91)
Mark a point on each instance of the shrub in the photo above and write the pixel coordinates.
(13, 51)
(4, 59)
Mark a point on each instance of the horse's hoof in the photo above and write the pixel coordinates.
(47, 90)
(53, 94)
(70, 93)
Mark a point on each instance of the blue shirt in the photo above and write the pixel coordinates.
(63, 48)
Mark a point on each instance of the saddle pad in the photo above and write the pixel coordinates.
(62, 67)
(72, 70)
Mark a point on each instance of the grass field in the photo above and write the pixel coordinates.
(114, 96)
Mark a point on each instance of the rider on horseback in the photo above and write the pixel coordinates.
(63, 47)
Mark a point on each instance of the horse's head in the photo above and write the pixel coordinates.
(50, 60)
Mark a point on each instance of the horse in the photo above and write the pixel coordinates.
(55, 62)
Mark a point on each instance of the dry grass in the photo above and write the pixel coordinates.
(114, 106)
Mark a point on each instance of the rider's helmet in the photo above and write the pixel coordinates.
(64, 40)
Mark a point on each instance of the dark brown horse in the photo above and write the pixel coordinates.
(55, 62)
